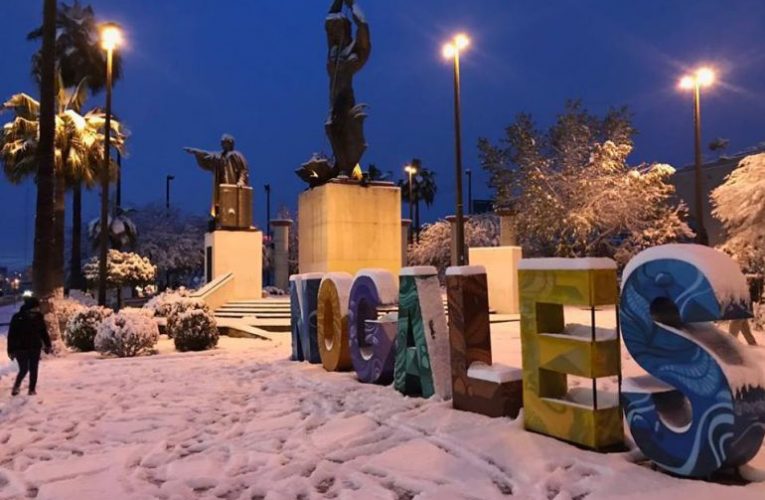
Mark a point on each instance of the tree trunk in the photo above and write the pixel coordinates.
(59, 218)
(43, 271)
(76, 278)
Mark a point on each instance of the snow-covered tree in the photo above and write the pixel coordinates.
(434, 247)
(173, 240)
(122, 269)
(573, 193)
(738, 204)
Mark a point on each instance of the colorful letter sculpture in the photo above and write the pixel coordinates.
(371, 339)
(334, 293)
(706, 411)
(422, 365)
(304, 294)
(478, 385)
(551, 351)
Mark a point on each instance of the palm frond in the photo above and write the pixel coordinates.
(24, 106)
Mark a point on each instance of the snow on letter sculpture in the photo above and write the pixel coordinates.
(422, 344)
(553, 350)
(334, 292)
(304, 293)
(371, 339)
(478, 385)
(705, 409)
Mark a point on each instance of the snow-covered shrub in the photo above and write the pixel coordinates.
(146, 313)
(194, 330)
(272, 291)
(65, 310)
(178, 308)
(127, 335)
(82, 328)
(83, 298)
(162, 304)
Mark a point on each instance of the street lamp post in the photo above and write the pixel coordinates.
(411, 170)
(168, 180)
(469, 174)
(111, 36)
(703, 77)
(452, 51)
(268, 210)
(118, 200)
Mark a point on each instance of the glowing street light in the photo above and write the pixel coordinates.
(703, 77)
(111, 36)
(452, 50)
(412, 171)
(111, 39)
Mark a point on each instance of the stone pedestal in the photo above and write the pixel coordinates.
(281, 253)
(239, 253)
(406, 226)
(344, 227)
(501, 264)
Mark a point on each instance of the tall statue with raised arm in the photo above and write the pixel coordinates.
(345, 124)
(232, 194)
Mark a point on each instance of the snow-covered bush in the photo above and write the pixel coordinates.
(65, 310)
(180, 307)
(272, 291)
(161, 305)
(122, 269)
(127, 335)
(195, 330)
(82, 328)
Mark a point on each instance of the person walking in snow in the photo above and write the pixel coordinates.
(27, 336)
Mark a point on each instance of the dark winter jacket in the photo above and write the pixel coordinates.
(27, 332)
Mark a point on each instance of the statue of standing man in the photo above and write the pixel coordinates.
(345, 126)
(232, 194)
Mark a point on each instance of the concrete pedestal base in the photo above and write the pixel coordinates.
(239, 253)
(501, 265)
(344, 227)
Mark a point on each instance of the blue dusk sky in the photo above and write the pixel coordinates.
(195, 69)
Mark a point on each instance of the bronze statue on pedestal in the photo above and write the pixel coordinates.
(345, 124)
(232, 194)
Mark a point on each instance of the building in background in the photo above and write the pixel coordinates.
(715, 172)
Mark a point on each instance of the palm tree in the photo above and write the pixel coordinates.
(79, 143)
(79, 58)
(78, 52)
(424, 189)
(42, 267)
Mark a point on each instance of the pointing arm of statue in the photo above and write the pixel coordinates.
(205, 159)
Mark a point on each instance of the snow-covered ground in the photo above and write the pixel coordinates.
(244, 422)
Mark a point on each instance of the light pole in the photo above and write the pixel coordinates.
(118, 200)
(168, 180)
(268, 210)
(703, 77)
(469, 174)
(412, 171)
(111, 36)
(452, 51)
